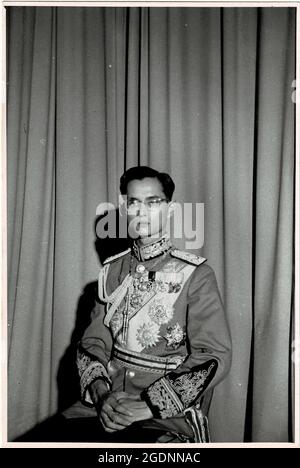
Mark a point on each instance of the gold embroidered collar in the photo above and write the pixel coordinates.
(156, 248)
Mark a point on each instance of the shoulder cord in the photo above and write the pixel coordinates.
(113, 300)
(102, 285)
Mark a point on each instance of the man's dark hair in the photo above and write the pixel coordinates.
(140, 172)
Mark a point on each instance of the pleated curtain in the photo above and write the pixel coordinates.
(204, 94)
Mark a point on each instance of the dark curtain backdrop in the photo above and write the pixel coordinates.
(202, 93)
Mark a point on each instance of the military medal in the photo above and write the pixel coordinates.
(140, 268)
(175, 336)
(148, 334)
(135, 300)
(174, 287)
(160, 313)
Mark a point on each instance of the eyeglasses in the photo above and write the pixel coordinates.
(153, 204)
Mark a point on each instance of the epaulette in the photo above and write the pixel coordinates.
(114, 257)
(188, 257)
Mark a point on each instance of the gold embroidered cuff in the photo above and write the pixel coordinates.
(94, 371)
(89, 370)
(174, 393)
(162, 401)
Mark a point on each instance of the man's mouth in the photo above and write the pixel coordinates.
(143, 223)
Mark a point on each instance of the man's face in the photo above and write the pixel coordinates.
(148, 208)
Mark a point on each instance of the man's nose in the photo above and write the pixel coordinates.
(142, 209)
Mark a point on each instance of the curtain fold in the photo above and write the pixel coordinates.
(201, 93)
(31, 216)
(273, 227)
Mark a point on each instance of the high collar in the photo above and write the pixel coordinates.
(156, 248)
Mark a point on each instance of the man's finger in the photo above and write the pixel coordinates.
(106, 407)
(122, 409)
(109, 423)
(118, 418)
(119, 395)
(114, 404)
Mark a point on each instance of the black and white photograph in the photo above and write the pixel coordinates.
(150, 181)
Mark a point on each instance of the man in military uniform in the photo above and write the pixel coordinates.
(158, 341)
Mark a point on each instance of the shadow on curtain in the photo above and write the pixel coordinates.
(202, 93)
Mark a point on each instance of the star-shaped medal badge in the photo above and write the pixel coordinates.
(148, 334)
(175, 336)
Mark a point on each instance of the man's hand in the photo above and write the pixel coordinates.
(121, 409)
(139, 409)
(113, 415)
(117, 410)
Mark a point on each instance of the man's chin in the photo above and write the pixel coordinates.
(143, 233)
(143, 230)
